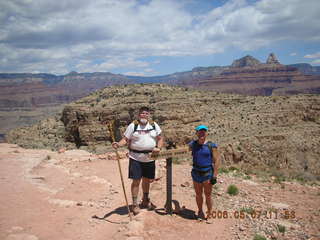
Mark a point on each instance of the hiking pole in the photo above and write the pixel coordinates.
(110, 126)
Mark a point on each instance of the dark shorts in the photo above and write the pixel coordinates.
(201, 177)
(138, 169)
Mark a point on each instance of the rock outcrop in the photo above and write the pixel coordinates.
(281, 132)
(247, 61)
(272, 59)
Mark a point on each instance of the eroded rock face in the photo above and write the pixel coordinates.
(247, 61)
(263, 79)
(281, 132)
(272, 59)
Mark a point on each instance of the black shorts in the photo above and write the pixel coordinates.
(138, 169)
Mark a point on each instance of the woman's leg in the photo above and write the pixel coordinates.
(208, 195)
(198, 187)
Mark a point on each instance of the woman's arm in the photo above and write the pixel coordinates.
(216, 158)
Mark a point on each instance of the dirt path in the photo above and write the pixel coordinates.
(49, 195)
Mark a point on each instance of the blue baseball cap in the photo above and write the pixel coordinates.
(202, 127)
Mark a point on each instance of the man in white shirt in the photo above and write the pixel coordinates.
(143, 137)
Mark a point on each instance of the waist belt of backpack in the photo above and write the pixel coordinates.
(138, 151)
(197, 166)
(202, 173)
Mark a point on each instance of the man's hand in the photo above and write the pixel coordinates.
(156, 150)
(115, 145)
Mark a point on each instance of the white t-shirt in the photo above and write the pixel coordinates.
(143, 139)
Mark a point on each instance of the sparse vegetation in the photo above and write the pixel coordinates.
(281, 228)
(248, 210)
(232, 190)
(259, 237)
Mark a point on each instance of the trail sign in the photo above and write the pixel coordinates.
(171, 153)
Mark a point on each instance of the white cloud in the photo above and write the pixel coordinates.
(314, 55)
(103, 35)
(107, 65)
(293, 54)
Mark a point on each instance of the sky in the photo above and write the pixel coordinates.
(153, 37)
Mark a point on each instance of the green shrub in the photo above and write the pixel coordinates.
(232, 190)
(259, 237)
(223, 170)
(281, 228)
(248, 210)
(247, 177)
(232, 168)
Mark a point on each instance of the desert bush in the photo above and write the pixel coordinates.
(281, 228)
(248, 210)
(232, 190)
(259, 237)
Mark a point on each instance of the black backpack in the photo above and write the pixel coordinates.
(136, 123)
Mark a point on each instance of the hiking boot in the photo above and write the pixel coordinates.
(209, 218)
(146, 203)
(200, 216)
(134, 209)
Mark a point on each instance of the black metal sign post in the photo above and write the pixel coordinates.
(168, 205)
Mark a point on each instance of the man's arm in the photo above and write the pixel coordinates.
(216, 157)
(121, 143)
(159, 145)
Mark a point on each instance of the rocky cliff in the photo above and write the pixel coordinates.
(36, 90)
(275, 132)
(248, 76)
(26, 98)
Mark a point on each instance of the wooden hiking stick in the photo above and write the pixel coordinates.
(110, 126)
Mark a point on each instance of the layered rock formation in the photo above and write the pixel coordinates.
(37, 90)
(27, 98)
(306, 68)
(248, 76)
(281, 132)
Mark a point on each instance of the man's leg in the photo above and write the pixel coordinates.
(135, 175)
(134, 193)
(198, 187)
(135, 190)
(146, 188)
(148, 174)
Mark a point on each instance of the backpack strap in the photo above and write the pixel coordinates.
(210, 145)
(151, 122)
(210, 148)
(136, 123)
(193, 145)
